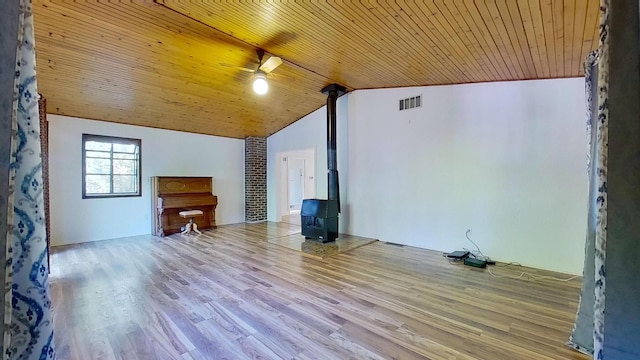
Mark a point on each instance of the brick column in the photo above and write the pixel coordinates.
(44, 146)
(255, 179)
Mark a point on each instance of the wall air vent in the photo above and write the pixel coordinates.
(410, 103)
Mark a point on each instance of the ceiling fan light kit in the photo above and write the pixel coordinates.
(260, 85)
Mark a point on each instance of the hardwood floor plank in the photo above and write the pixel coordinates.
(146, 348)
(282, 306)
(377, 344)
(163, 327)
(234, 293)
(98, 344)
(354, 347)
(253, 348)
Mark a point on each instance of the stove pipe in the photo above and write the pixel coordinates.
(332, 91)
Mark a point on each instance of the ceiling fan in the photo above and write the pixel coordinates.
(260, 84)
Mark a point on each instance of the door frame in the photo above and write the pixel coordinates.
(282, 178)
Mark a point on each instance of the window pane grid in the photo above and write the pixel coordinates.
(111, 166)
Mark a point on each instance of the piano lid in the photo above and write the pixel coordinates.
(186, 200)
(184, 185)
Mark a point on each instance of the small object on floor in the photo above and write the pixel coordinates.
(458, 255)
(395, 244)
(475, 262)
(191, 225)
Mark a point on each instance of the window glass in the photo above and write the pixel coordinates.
(111, 166)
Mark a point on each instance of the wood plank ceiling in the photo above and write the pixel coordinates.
(158, 64)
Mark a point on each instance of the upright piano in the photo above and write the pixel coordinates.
(172, 194)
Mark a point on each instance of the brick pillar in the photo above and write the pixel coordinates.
(255, 179)
(44, 146)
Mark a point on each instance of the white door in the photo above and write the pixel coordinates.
(296, 183)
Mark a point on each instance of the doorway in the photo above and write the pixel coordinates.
(296, 183)
(296, 180)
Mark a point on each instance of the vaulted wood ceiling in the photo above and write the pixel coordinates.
(158, 64)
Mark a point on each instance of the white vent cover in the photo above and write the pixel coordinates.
(410, 103)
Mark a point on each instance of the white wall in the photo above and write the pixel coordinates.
(164, 152)
(506, 160)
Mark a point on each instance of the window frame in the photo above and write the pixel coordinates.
(112, 140)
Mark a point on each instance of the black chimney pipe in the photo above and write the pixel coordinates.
(319, 218)
(332, 91)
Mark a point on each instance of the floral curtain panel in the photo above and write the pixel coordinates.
(28, 327)
(602, 145)
(582, 335)
(590, 317)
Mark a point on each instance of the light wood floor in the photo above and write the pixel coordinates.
(293, 219)
(229, 294)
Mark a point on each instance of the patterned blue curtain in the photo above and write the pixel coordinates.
(581, 337)
(591, 310)
(601, 173)
(28, 323)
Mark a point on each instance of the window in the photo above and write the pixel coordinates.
(110, 166)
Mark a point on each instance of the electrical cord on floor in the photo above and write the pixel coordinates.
(452, 262)
(509, 264)
(523, 274)
(528, 276)
(474, 244)
(477, 253)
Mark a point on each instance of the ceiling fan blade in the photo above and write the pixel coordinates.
(281, 78)
(237, 67)
(271, 64)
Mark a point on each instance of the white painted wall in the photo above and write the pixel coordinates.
(506, 160)
(164, 152)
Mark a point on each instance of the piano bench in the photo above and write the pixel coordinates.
(191, 225)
